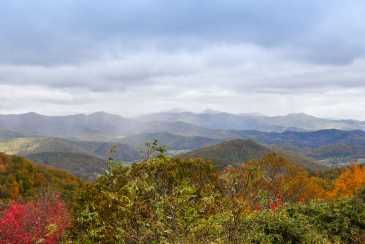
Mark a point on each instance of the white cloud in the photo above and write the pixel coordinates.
(253, 79)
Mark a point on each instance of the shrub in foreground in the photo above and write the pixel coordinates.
(167, 200)
(43, 220)
(337, 221)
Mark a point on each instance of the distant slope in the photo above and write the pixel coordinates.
(213, 121)
(307, 139)
(249, 122)
(332, 155)
(176, 142)
(24, 146)
(73, 125)
(21, 177)
(235, 152)
(331, 174)
(6, 133)
(78, 164)
(327, 151)
(96, 127)
(301, 120)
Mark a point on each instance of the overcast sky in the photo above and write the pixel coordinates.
(132, 57)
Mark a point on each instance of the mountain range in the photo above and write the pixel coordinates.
(67, 141)
(312, 139)
(249, 122)
(96, 127)
(106, 127)
(113, 128)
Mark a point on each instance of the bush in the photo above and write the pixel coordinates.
(163, 199)
(44, 220)
(338, 221)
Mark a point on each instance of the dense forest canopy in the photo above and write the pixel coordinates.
(20, 177)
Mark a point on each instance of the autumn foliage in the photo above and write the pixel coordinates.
(165, 199)
(348, 183)
(43, 220)
(175, 200)
(20, 178)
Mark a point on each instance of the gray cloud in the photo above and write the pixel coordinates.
(274, 57)
(50, 33)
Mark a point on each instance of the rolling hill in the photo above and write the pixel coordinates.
(312, 139)
(78, 164)
(23, 177)
(6, 134)
(239, 151)
(332, 155)
(330, 151)
(176, 142)
(221, 121)
(25, 146)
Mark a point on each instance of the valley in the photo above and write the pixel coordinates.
(80, 144)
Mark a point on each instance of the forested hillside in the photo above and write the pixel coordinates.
(176, 142)
(306, 139)
(330, 151)
(21, 177)
(236, 152)
(6, 134)
(82, 165)
(332, 155)
(24, 146)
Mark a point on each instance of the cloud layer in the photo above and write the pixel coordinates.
(132, 57)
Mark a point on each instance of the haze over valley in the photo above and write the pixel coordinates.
(313, 143)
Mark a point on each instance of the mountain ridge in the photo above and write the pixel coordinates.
(25, 146)
(236, 152)
(252, 122)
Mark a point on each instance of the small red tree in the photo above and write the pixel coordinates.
(43, 220)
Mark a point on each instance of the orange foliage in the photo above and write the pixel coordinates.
(275, 176)
(348, 183)
(14, 192)
(40, 177)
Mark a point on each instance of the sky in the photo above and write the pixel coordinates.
(136, 57)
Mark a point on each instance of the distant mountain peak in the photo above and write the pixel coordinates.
(300, 115)
(210, 111)
(254, 114)
(30, 113)
(174, 110)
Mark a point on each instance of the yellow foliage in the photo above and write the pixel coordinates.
(40, 177)
(14, 192)
(348, 183)
(2, 169)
